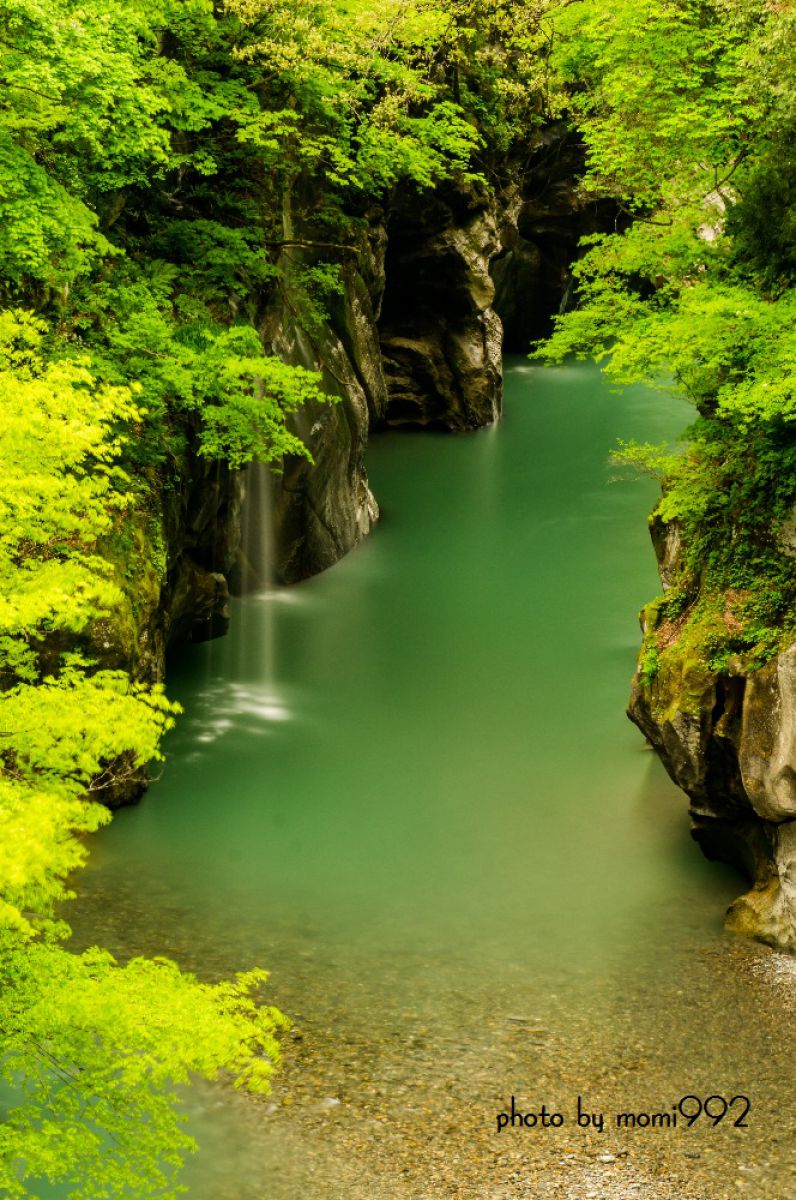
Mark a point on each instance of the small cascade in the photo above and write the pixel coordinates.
(210, 666)
(566, 299)
(255, 568)
(255, 576)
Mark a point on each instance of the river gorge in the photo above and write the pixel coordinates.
(408, 788)
(394, 399)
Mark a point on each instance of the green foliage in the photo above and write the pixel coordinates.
(239, 396)
(649, 663)
(352, 95)
(96, 117)
(248, 396)
(62, 489)
(91, 1050)
(662, 93)
(94, 1050)
(763, 230)
(70, 734)
(686, 111)
(170, 171)
(38, 849)
(46, 234)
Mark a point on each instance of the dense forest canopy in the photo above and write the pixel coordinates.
(688, 115)
(159, 160)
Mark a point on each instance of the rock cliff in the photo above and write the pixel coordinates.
(172, 561)
(415, 336)
(441, 340)
(411, 339)
(321, 510)
(728, 739)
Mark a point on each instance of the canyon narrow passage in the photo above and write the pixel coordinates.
(407, 788)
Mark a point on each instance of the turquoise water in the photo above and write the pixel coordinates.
(409, 789)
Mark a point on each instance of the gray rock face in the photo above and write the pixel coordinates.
(412, 339)
(180, 590)
(767, 750)
(729, 741)
(668, 542)
(322, 510)
(441, 340)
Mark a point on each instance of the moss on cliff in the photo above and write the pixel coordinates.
(687, 644)
(137, 553)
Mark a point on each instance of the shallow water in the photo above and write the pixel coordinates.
(409, 789)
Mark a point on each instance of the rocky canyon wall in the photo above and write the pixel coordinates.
(441, 340)
(434, 286)
(414, 338)
(543, 215)
(411, 339)
(728, 739)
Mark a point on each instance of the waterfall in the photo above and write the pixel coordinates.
(567, 296)
(256, 577)
(255, 569)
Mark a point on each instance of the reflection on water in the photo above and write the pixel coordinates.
(409, 789)
(222, 705)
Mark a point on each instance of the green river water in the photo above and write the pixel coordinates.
(408, 788)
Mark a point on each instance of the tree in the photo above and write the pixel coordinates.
(685, 110)
(90, 1049)
(164, 166)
